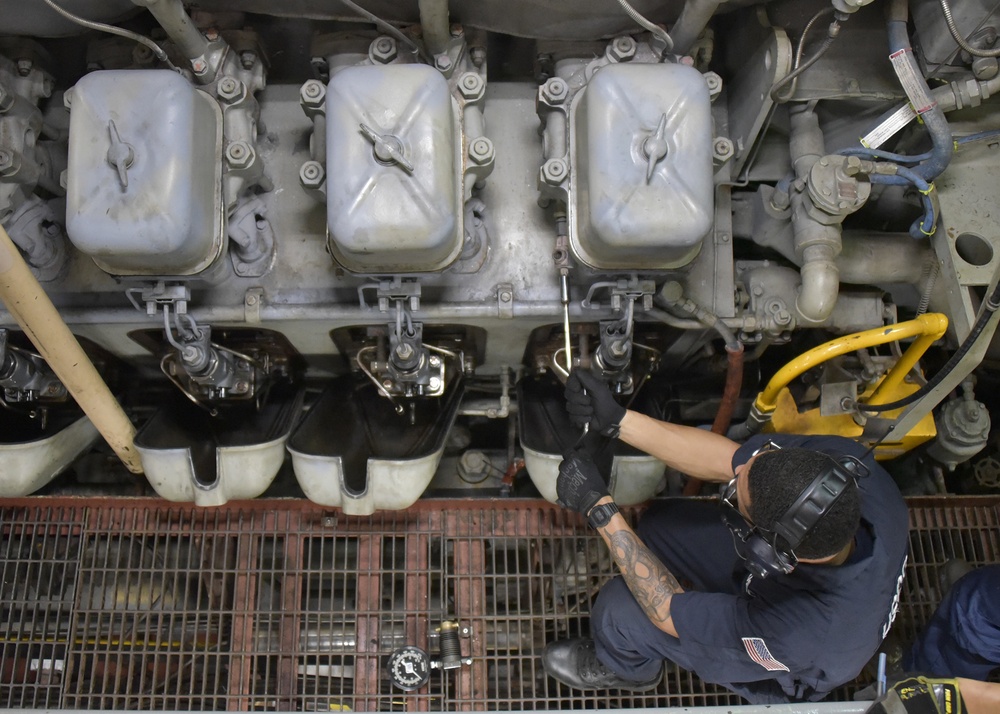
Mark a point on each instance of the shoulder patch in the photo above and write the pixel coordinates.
(761, 655)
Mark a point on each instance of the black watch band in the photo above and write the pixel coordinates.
(600, 516)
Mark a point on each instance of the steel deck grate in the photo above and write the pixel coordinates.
(282, 605)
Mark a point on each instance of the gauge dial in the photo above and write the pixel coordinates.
(409, 668)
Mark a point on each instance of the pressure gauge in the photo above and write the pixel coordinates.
(409, 668)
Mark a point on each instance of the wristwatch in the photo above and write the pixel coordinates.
(600, 516)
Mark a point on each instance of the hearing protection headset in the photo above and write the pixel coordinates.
(772, 551)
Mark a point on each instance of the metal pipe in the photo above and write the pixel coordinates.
(175, 22)
(435, 25)
(693, 20)
(818, 244)
(931, 324)
(38, 317)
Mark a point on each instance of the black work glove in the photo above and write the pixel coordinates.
(580, 484)
(916, 694)
(589, 401)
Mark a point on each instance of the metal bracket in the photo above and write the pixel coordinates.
(505, 301)
(251, 305)
(176, 296)
(389, 291)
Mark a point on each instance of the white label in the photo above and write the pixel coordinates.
(887, 129)
(913, 84)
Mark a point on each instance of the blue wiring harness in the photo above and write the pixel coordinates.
(904, 176)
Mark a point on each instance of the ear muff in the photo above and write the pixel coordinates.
(772, 551)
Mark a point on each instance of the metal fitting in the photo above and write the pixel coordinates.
(472, 86)
(621, 49)
(554, 91)
(985, 68)
(231, 90)
(6, 99)
(24, 66)
(481, 151)
(554, 172)
(383, 50)
(248, 59)
(443, 63)
(714, 83)
(8, 163)
(722, 150)
(240, 154)
(199, 66)
(312, 174)
(312, 94)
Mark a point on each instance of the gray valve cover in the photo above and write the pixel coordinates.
(394, 173)
(627, 212)
(143, 192)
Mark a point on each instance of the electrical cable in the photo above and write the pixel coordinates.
(989, 307)
(112, 30)
(668, 42)
(949, 19)
(832, 32)
(386, 27)
(800, 47)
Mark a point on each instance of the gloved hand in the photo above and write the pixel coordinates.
(916, 694)
(580, 484)
(589, 401)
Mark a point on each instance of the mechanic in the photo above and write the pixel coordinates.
(962, 638)
(779, 617)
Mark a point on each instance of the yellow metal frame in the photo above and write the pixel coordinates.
(776, 404)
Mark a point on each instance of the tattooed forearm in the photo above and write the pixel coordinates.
(650, 582)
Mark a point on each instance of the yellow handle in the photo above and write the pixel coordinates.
(927, 328)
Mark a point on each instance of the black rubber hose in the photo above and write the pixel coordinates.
(989, 307)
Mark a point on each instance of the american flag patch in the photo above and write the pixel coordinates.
(761, 655)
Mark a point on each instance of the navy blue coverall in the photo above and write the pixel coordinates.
(791, 637)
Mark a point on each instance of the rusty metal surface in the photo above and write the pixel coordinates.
(284, 605)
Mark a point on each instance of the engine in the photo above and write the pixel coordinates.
(351, 252)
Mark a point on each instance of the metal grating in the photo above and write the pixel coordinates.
(281, 605)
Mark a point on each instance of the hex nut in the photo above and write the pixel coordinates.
(554, 172)
(230, 90)
(554, 91)
(240, 154)
(714, 83)
(312, 94)
(199, 66)
(622, 49)
(24, 67)
(442, 62)
(481, 151)
(383, 50)
(722, 150)
(7, 164)
(312, 174)
(472, 86)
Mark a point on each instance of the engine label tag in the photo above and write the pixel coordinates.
(887, 129)
(913, 84)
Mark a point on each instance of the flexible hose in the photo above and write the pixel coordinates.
(668, 43)
(112, 30)
(727, 406)
(989, 307)
(937, 126)
(959, 40)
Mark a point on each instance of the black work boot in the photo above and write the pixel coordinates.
(574, 663)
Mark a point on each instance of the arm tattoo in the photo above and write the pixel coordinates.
(650, 582)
